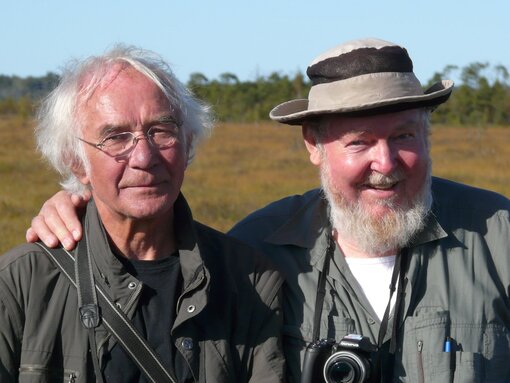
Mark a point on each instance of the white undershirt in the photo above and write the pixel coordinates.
(374, 277)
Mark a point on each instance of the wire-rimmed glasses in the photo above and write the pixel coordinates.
(123, 143)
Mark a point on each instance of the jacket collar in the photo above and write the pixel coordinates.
(111, 271)
(192, 265)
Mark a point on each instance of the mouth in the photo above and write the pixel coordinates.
(381, 186)
(153, 184)
(379, 182)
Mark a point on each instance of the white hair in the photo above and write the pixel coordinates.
(59, 123)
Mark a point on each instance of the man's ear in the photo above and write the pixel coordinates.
(312, 144)
(78, 170)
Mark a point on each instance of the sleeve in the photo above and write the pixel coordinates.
(268, 358)
(10, 340)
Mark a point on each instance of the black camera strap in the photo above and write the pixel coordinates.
(396, 284)
(397, 275)
(321, 288)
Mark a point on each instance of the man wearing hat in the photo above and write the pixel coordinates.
(419, 265)
(416, 267)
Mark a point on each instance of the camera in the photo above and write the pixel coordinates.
(348, 361)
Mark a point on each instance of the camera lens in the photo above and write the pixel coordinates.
(345, 367)
(342, 372)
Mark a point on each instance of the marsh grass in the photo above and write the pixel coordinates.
(240, 168)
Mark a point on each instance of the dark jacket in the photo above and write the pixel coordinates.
(457, 284)
(228, 320)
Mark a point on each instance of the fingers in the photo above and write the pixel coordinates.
(80, 201)
(58, 221)
(40, 231)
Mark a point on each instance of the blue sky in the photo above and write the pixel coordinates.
(250, 38)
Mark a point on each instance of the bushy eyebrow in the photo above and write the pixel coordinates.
(166, 119)
(108, 129)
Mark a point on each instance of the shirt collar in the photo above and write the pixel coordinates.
(307, 227)
(185, 236)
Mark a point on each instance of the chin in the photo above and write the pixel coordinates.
(145, 210)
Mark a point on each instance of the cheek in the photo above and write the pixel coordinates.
(415, 162)
(346, 169)
(105, 174)
(175, 160)
(417, 168)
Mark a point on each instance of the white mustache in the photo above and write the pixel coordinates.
(378, 179)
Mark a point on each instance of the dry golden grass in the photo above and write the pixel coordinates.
(241, 168)
(25, 182)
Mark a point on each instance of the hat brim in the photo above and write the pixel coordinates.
(294, 112)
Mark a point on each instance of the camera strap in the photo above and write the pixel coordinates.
(397, 275)
(115, 321)
(321, 288)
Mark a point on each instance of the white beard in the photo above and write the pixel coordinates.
(376, 235)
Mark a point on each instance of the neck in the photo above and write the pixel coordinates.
(141, 239)
(351, 250)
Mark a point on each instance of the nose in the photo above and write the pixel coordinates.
(384, 158)
(143, 153)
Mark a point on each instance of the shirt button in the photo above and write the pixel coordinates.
(187, 343)
(191, 308)
(131, 285)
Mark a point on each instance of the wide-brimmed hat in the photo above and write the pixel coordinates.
(362, 77)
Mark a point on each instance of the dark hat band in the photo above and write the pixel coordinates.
(359, 62)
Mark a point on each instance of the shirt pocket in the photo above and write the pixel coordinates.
(478, 352)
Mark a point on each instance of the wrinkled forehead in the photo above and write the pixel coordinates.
(100, 78)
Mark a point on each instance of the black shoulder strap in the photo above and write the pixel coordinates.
(321, 287)
(115, 321)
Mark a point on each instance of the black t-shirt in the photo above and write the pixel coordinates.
(154, 318)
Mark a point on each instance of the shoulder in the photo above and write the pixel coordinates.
(452, 195)
(265, 220)
(462, 207)
(235, 259)
(23, 257)
(210, 239)
(24, 271)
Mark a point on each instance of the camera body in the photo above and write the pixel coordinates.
(348, 361)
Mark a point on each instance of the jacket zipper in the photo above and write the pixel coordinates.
(421, 377)
(69, 375)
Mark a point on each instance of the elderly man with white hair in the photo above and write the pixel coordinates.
(149, 295)
(391, 275)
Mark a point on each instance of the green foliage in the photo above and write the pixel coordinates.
(34, 88)
(249, 101)
(482, 98)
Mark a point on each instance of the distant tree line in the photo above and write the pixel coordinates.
(481, 98)
(18, 94)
